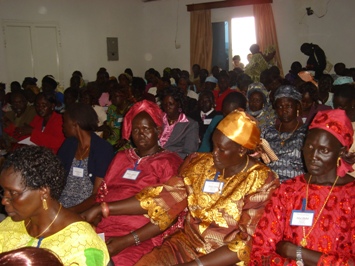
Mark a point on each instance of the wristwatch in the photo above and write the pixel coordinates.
(299, 260)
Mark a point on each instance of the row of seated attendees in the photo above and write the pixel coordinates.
(121, 153)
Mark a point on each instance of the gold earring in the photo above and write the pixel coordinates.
(298, 112)
(45, 205)
(338, 161)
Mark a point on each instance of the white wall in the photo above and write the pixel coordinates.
(147, 31)
(84, 27)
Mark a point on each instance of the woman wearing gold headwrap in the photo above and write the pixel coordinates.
(225, 192)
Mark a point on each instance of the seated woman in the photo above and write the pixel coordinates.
(344, 99)
(286, 137)
(259, 106)
(89, 97)
(310, 102)
(225, 192)
(46, 127)
(20, 115)
(32, 180)
(180, 133)
(309, 220)
(205, 112)
(115, 115)
(132, 170)
(85, 157)
(235, 101)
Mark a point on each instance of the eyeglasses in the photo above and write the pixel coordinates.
(13, 194)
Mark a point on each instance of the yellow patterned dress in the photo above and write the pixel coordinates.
(76, 244)
(212, 220)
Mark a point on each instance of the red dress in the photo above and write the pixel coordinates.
(155, 169)
(52, 136)
(333, 234)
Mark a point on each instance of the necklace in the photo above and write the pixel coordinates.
(171, 121)
(55, 218)
(150, 154)
(83, 154)
(284, 140)
(304, 239)
(245, 167)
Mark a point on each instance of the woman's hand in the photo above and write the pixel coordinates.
(286, 249)
(121, 143)
(92, 215)
(116, 244)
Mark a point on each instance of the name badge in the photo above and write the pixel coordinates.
(212, 187)
(77, 171)
(207, 121)
(102, 236)
(131, 174)
(302, 218)
(120, 119)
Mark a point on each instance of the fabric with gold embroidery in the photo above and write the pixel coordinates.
(213, 220)
(76, 243)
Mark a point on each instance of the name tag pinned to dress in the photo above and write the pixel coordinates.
(78, 171)
(213, 186)
(302, 217)
(131, 174)
(207, 121)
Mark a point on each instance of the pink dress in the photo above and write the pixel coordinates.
(155, 169)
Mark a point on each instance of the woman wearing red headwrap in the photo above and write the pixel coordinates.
(310, 218)
(131, 171)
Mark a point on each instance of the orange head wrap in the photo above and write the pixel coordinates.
(240, 128)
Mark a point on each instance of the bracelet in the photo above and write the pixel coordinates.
(199, 263)
(105, 210)
(136, 238)
(299, 260)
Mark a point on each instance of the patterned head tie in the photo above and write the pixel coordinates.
(338, 124)
(240, 128)
(288, 91)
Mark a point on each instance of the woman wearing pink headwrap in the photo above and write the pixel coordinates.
(310, 218)
(130, 171)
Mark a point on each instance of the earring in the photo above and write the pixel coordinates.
(298, 112)
(44, 204)
(338, 162)
(180, 110)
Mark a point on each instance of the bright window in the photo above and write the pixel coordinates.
(243, 36)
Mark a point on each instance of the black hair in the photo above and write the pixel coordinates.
(176, 94)
(84, 115)
(128, 71)
(39, 168)
(18, 93)
(344, 91)
(77, 73)
(15, 86)
(236, 98)
(48, 96)
(311, 89)
(49, 79)
(29, 81)
(208, 94)
(30, 256)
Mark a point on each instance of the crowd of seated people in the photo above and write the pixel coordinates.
(177, 169)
